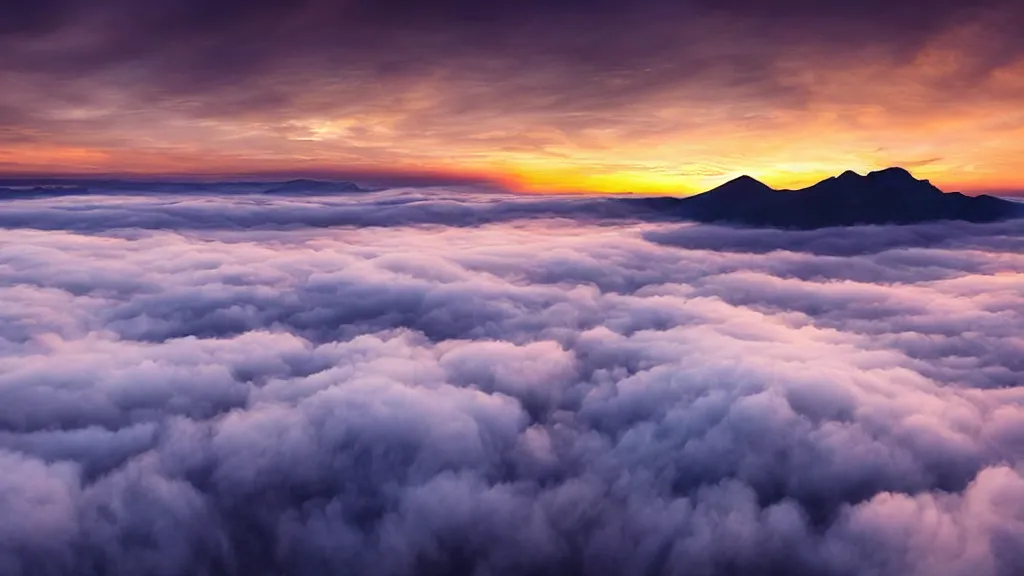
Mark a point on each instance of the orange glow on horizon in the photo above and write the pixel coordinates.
(865, 114)
(70, 162)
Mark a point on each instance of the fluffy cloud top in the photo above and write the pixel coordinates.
(203, 386)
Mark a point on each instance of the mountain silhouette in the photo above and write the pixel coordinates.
(13, 188)
(890, 196)
(305, 186)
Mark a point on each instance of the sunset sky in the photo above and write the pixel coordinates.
(536, 95)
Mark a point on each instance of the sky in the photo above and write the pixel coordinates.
(435, 382)
(533, 95)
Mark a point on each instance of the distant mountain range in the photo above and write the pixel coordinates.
(303, 186)
(29, 188)
(890, 196)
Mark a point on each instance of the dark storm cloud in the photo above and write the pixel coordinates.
(528, 396)
(231, 58)
(269, 28)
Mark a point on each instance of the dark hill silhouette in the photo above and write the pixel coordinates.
(305, 186)
(14, 188)
(16, 192)
(890, 196)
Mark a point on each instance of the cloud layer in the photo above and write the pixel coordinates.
(541, 396)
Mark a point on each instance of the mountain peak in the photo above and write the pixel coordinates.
(746, 179)
(894, 173)
(743, 183)
(889, 196)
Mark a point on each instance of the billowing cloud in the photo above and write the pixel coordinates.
(260, 394)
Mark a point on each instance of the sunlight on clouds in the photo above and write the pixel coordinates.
(232, 379)
(816, 116)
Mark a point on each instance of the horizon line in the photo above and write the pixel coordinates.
(414, 180)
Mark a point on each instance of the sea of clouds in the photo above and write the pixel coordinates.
(421, 382)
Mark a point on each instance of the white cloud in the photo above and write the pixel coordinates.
(529, 395)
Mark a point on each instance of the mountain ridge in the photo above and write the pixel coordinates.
(888, 196)
(13, 188)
